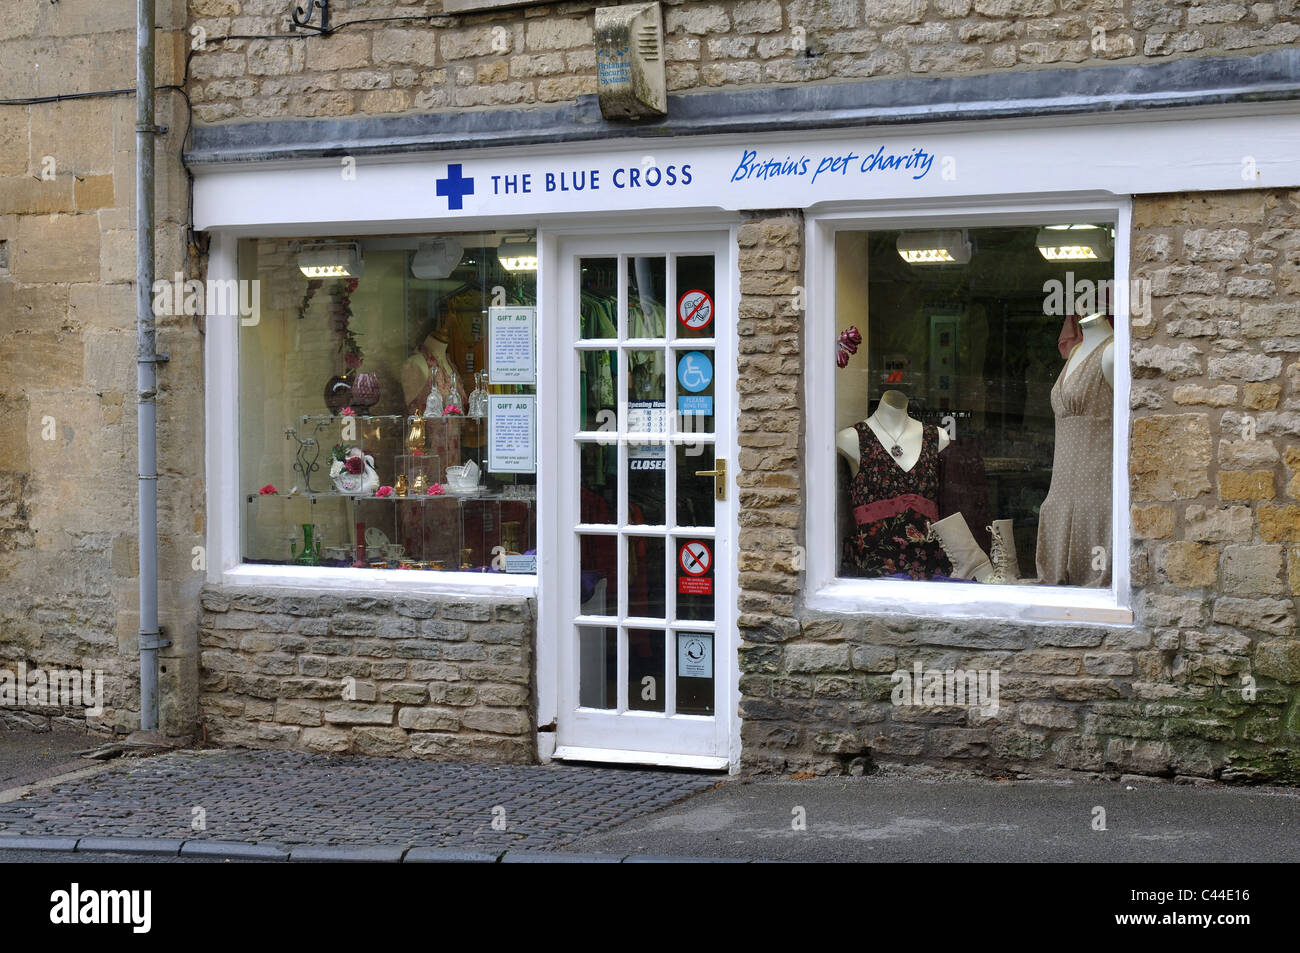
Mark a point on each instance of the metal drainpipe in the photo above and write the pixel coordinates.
(146, 363)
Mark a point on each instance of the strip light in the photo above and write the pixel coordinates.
(330, 261)
(934, 248)
(1075, 243)
(517, 255)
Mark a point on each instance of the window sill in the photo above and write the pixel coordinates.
(382, 581)
(1036, 604)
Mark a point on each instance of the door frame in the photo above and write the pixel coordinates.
(556, 248)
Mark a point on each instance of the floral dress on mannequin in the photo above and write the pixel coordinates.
(893, 508)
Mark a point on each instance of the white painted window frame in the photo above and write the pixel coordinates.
(224, 556)
(823, 589)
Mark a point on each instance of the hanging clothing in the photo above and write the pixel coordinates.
(893, 508)
(1074, 520)
(964, 487)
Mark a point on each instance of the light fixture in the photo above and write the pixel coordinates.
(1075, 243)
(437, 258)
(934, 248)
(337, 260)
(518, 255)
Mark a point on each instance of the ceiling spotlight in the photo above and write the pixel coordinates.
(437, 258)
(330, 260)
(1075, 243)
(518, 255)
(934, 248)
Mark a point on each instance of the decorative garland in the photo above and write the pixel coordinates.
(847, 346)
(340, 315)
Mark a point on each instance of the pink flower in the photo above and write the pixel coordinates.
(417, 452)
(348, 412)
(355, 465)
(435, 489)
(352, 360)
(451, 410)
(268, 490)
(384, 491)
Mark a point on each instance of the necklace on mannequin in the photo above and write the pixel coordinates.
(896, 449)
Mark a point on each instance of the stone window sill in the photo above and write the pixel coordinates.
(1041, 604)
(382, 581)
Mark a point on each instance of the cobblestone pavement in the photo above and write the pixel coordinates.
(288, 798)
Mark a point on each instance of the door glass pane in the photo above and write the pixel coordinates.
(645, 576)
(645, 670)
(693, 378)
(645, 487)
(695, 305)
(597, 390)
(598, 297)
(646, 457)
(598, 575)
(647, 290)
(645, 389)
(695, 572)
(599, 483)
(597, 667)
(694, 673)
(694, 493)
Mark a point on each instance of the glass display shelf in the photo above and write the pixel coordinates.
(488, 527)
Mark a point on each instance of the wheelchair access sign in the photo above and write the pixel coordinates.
(694, 373)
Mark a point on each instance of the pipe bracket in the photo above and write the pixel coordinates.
(152, 641)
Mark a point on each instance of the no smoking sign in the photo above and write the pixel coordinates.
(695, 310)
(695, 560)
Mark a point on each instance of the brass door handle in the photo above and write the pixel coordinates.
(719, 474)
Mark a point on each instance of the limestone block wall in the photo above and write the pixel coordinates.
(67, 349)
(1207, 682)
(544, 53)
(427, 677)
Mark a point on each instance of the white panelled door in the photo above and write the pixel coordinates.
(645, 596)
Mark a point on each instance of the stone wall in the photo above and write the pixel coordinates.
(68, 548)
(440, 678)
(1207, 682)
(544, 53)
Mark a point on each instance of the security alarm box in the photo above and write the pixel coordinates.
(630, 61)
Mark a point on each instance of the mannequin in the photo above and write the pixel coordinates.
(1074, 521)
(892, 426)
(1097, 332)
(893, 493)
(418, 369)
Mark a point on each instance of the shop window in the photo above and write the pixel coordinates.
(974, 404)
(387, 394)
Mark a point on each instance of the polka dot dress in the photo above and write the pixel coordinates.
(1075, 517)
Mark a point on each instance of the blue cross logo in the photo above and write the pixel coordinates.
(455, 186)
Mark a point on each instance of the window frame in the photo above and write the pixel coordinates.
(823, 589)
(224, 557)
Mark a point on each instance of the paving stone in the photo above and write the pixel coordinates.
(267, 804)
